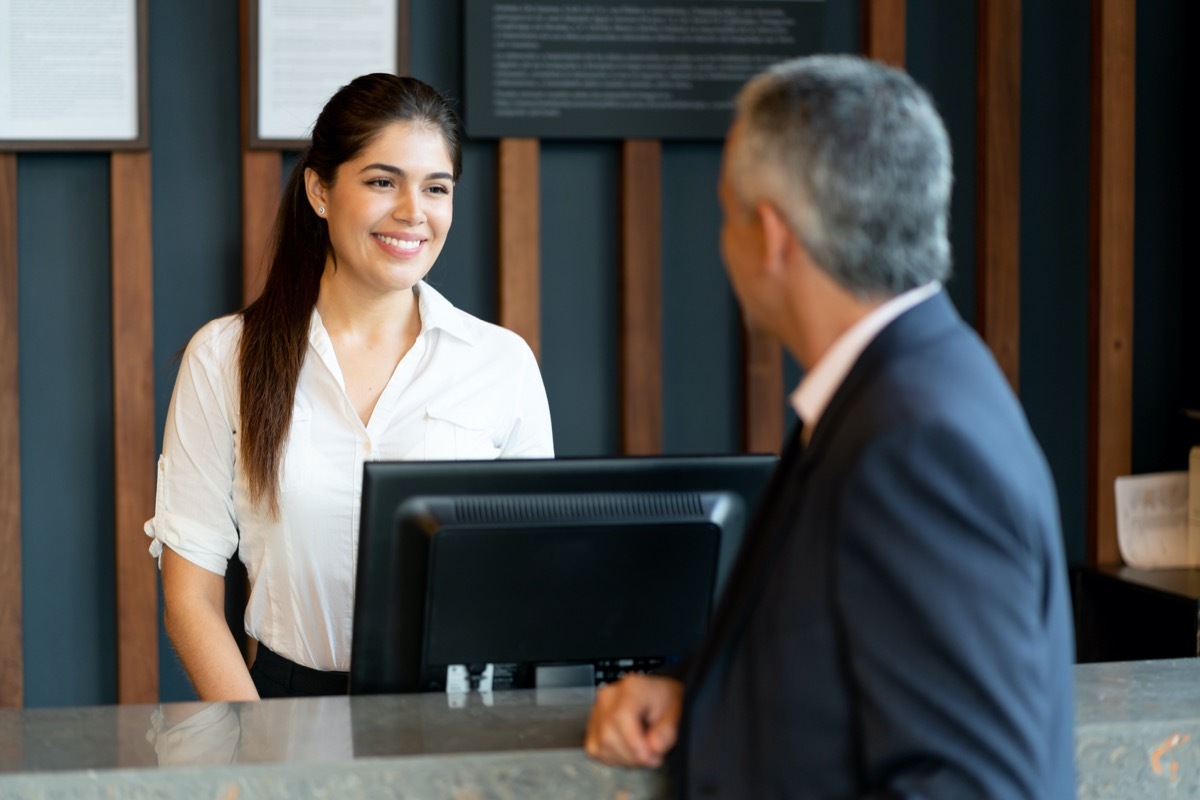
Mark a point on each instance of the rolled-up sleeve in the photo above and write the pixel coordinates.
(194, 506)
(531, 435)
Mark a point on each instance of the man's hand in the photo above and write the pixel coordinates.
(635, 721)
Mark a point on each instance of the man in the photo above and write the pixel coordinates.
(897, 623)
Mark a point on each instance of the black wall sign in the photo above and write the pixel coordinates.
(659, 69)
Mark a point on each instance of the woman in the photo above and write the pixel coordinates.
(347, 356)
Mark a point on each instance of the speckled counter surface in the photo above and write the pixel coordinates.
(1138, 729)
(1138, 736)
(473, 747)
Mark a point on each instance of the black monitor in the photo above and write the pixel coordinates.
(533, 573)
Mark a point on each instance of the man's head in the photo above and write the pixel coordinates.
(853, 158)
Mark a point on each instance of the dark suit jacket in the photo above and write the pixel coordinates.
(897, 624)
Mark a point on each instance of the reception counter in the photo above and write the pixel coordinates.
(1138, 736)
(467, 747)
(1137, 729)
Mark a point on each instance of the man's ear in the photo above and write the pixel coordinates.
(315, 190)
(778, 240)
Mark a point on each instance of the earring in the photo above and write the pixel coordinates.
(320, 211)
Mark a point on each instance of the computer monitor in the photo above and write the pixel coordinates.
(534, 573)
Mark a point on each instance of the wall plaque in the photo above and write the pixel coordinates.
(659, 69)
(302, 51)
(73, 75)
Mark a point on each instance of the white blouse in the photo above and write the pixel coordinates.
(466, 390)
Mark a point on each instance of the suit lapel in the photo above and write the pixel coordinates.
(763, 536)
(770, 523)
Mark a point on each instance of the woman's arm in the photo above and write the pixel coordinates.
(531, 435)
(195, 620)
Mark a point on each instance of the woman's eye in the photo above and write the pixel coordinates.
(382, 183)
(437, 188)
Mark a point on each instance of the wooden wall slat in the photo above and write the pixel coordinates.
(641, 297)
(519, 252)
(883, 33)
(1110, 372)
(262, 174)
(762, 397)
(998, 190)
(133, 422)
(12, 675)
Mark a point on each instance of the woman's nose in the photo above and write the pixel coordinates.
(408, 206)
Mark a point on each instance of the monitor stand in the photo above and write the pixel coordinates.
(462, 678)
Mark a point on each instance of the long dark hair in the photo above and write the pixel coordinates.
(275, 326)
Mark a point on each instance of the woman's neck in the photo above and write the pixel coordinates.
(368, 316)
(370, 334)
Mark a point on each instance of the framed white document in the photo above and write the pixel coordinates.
(73, 75)
(302, 51)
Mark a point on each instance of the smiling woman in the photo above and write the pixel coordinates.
(347, 356)
(388, 210)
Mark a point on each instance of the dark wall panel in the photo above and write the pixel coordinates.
(1054, 247)
(701, 324)
(579, 294)
(435, 52)
(466, 270)
(67, 506)
(1163, 306)
(941, 55)
(196, 191)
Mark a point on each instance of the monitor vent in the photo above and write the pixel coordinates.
(582, 507)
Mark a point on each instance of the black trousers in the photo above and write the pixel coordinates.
(276, 676)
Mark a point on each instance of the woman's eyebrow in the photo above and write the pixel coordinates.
(401, 173)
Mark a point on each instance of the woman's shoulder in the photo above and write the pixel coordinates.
(488, 337)
(489, 334)
(216, 339)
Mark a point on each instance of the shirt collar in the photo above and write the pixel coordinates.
(438, 312)
(819, 383)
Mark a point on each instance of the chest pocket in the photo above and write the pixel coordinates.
(298, 450)
(461, 433)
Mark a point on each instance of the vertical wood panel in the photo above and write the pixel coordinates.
(519, 251)
(133, 422)
(883, 37)
(12, 676)
(762, 400)
(1110, 362)
(998, 160)
(262, 173)
(641, 297)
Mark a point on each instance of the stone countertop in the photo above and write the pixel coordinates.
(1137, 729)
(475, 747)
(1138, 736)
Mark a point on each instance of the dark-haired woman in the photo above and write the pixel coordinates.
(347, 356)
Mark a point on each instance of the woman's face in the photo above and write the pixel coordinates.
(389, 209)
